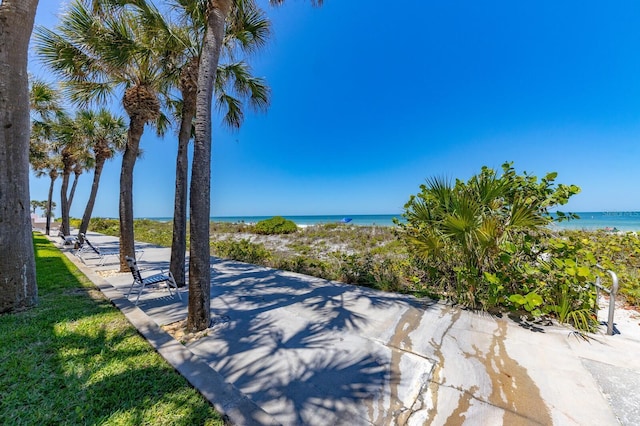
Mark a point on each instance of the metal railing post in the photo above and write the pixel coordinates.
(612, 296)
(612, 301)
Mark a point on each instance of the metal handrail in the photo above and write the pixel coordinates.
(613, 291)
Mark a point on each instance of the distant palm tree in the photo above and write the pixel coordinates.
(70, 142)
(107, 135)
(45, 108)
(48, 167)
(97, 50)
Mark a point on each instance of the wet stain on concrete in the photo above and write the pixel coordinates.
(400, 343)
(511, 387)
(437, 377)
(464, 402)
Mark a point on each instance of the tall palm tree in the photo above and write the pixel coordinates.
(18, 286)
(97, 50)
(248, 28)
(216, 14)
(107, 136)
(180, 46)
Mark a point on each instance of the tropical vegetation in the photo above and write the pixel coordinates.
(45, 107)
(558, 286)
(96, 50)
(484, 243)
(101, 47)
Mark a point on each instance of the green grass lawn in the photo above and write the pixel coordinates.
(75, 359)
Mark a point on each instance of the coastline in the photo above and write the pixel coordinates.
(305, 220)
(589, 221)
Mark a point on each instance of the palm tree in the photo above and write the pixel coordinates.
(97, 50)
(70, 140)
(107, 135)
(18, 286)
(45, 107)
(249, 29)
(45, 163)
(216, 13)
(180, 47)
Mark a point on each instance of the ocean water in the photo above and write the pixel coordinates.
(360, 219)
(622, 221)
(380, 219)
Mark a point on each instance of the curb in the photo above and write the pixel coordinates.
(235, 407)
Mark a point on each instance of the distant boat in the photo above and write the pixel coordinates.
(346, 220)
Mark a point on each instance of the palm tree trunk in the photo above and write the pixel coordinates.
(199, 315)
(179, 242)
(64, 203)
(127, 239)
(18, 287)
(88, 210)
(73, 189)
(49, 200)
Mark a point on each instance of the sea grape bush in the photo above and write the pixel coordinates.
(619, 252)
(275, 225)
(484, 243)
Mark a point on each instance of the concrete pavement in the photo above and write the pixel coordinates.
(300, 350)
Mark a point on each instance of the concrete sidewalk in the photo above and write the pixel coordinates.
(306, 351)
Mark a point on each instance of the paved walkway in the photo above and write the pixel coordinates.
(296, 350)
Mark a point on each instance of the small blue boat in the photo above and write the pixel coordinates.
(346, 220)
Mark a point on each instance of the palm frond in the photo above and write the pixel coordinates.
(85, 93)
(232, 108)
(247, 29)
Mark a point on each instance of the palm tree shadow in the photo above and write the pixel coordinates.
(292, 343)
(333, 387)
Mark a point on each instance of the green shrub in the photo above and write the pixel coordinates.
(619, 252)
(484, 243)
(230, 227)
(275, 225)
(243, 250)
(105, 226)
(304, 265)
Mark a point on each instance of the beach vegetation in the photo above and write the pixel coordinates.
(75, 359)
(617, 251)
(485, 244)
(467, 231)
(557, 267)
(302, 264)
(242, 250)
(275, 225)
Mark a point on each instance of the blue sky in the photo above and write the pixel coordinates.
(368, 101)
